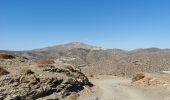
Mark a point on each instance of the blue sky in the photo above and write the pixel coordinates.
(124, 24)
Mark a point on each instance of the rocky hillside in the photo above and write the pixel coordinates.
(23, 79)
(95, 60)
(127, 63)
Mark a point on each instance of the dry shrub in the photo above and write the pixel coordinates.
(41, 66)
(68, 66)
(6, 56)
(3, 71)
(26, 71)
(92, 76)
(73, 96)
(28, 78)
(148, 81)
(138, 77)
(45, 65)
(49, 61)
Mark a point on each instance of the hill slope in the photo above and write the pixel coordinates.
(95, 60)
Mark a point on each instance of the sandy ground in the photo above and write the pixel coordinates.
(114, 88)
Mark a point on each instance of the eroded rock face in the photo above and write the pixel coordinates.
(55, 83)
(28, 87)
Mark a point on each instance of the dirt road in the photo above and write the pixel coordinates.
(118, 89)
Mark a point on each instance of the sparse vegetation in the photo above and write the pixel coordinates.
(73, 96)
(68, 66)
(3, 71)
(104, 61)
(48, 61)
(91, 75)
(137, 77)
(6, 56)
(151, 80)
(44, 65)
(28, 84)
(26, 71)
(63, 76)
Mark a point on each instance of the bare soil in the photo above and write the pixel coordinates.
(116, 88)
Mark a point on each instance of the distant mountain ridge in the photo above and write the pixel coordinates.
(97, 60)
(68, 46)
(74, 45)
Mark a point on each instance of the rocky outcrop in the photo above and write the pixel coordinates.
(46, 82)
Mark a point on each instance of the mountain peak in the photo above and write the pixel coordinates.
(68, 46)
(75, 43)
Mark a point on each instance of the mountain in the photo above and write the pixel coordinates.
(67, 46)
(60, 50)
(53, 51)
(96, 60)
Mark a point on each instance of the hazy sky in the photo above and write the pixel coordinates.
(125, 24)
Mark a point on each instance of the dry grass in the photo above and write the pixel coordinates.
(41, 66)
(49, 61)
(68, 66)
(45, 65)
(73, 96)
(28, 78)
(150, 80)
(6, 56)
(3, 71)
(26, 71)
(138, 77)
(92, 76)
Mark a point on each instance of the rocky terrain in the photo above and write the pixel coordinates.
(59, 73)
(99, 61)
(23, 79)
